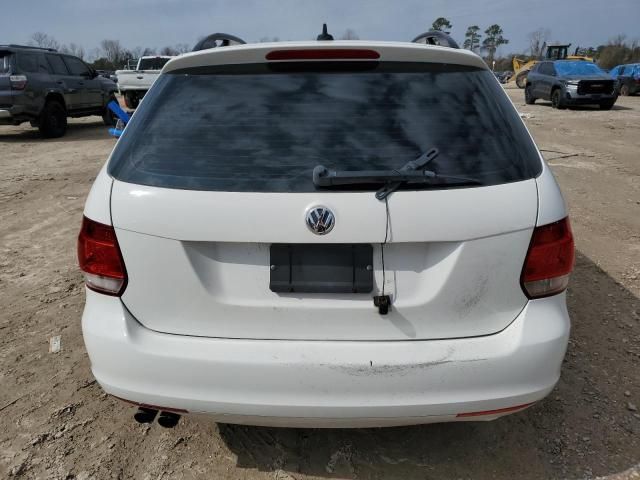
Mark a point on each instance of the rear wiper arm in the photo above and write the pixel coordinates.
(428, 177)
(411, 172)
(413, 166)
(323, 177)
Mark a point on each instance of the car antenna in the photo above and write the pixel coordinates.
(324, 35)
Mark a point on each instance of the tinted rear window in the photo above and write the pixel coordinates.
(262, 130)
(31, 63)
(5, 62)
(152, 63)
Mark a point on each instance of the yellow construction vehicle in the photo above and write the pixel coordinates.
(552, 52)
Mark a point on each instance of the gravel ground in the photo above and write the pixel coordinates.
(56, 423)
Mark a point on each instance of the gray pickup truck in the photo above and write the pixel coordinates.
(44, 87)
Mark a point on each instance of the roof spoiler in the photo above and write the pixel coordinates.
(216, 40)
(29, 47)
(435, 37)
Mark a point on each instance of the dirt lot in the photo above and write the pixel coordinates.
(55, 422)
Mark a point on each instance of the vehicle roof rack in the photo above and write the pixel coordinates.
(435, 37)
(30, 47)
(216, 40)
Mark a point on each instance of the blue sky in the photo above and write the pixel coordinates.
(157, 23)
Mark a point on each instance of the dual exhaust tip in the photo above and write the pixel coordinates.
(148, 415)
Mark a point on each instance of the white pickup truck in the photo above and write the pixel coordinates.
(133, 84)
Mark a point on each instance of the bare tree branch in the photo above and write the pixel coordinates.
(537, 40)
(43, 40)
(73, 49)
(349, 34)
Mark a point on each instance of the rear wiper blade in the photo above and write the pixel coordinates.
(411, 172)
(391, 187)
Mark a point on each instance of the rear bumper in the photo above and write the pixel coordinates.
(328, 383)
(122, 89)
(14, 115)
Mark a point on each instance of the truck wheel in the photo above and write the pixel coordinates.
(624, 90)
(108, 117)
(556, 99)
(521, 79)
(529, 99)
(53, 120)
(131, 100)
(608, 105)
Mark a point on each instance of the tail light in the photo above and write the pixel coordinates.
(549, 260)
(18, 82)
(100, 258)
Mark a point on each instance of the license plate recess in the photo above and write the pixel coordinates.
(312, 268)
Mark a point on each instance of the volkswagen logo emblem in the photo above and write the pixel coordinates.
(320, 220)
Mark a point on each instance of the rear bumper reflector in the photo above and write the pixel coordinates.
(495, 412)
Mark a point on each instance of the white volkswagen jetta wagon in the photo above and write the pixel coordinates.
(338, 233)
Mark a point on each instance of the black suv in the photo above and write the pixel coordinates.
(570, 82)
(45, 87)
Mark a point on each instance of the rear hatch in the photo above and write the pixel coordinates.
(5, 85)
(215, 171)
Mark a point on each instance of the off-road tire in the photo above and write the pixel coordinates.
(53, 120)
(608, 105)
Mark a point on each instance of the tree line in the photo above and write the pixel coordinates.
(112, 55)
(617, 51)
(493, 37)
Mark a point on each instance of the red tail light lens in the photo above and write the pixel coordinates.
(549, 260)
(100, 259)
(324, 54)
(18, 82)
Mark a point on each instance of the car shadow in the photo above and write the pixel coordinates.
(83, 131)
(596, 108)
(583, 428)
